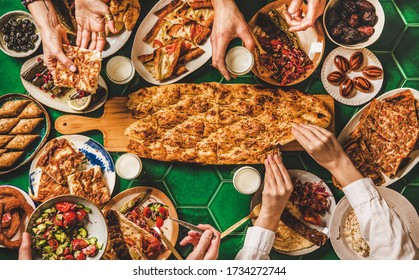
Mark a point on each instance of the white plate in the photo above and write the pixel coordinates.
(170, 228)
(58, 103)
(360, 97)
(305, 176)
(140, 48)
(116, 42)
(95, 154)
(378, 27)
(395, 200)
(24, 219)
(344, 137)
(95, 223)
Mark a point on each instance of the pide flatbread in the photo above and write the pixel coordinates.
(287, 240)
(211, 123)
(88, 63)
(126, 11)
(191, 31)
(60, 159)
(48, 188)
(137, 242)
(89, 184)
(165, 60)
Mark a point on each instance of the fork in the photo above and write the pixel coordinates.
(253, 214)
(152, 224)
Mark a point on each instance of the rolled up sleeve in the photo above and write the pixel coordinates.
(257, 244)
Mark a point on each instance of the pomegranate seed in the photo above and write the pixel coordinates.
(39, 59)
(38, 75)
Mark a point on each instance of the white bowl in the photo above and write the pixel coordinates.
(96, 225)
(17, 14)
(378, 27)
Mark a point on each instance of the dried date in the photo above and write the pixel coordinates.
(369, 18)
(338, 29)
(354, 34)
(332, 18)
(368, 31)
(341, 63)
(373, 72)
(362, 84)
(354, 21)
(336, 77)
(349, 6)
(356, 60)
(346, 88)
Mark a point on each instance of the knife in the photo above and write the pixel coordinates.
(187, 225)
(168, 244)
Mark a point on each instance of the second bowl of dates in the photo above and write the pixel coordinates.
(353, 24)
(19, 36)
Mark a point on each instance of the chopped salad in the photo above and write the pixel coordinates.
(60, 233)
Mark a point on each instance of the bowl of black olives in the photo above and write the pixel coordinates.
(19, 35)
(353, 24)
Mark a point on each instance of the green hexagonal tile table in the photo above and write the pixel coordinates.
(205, 194)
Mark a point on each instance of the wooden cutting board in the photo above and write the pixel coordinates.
(117, 117)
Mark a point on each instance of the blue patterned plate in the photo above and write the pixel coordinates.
(95, 155)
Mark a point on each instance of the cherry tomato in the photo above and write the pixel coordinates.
(58, 220)
(159, 221)
(163, 212)
(63, 206)
(90, 250)
(53, 243)
(81, 213)
(79, 244)
(157, 44)
(171, 48)
(68, 257)
(147, 212)
(66, 251)
(81, 256)
(69, 216)
(46, 234)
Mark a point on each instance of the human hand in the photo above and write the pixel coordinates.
(323, 147)
(52, 33)
(90, 16)
(206, 246)
(294, 15)
(25, 248)
(276, 192)
(229, 23)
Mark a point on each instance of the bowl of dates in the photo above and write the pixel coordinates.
(19, 36)
(353, 24)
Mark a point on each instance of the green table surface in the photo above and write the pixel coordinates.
(205, 194)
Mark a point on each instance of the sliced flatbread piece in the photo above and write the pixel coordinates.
(4, 139)
(21, 142)
(31, 111)
(203, 17)
(48, 188)
(173, 11)
(199, 4)
(6, 125)
(88, 63)
(165, 60)
(116, 248)
(89, 184)
(191, 31)
(12, 108)
(126, 11)
(60, 159)
(157, 36)
(139, 240)
(287, 240)
(26, 126)
(8, 159)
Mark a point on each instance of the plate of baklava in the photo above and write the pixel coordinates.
(38, 81)
(72, 164)
(24, 128)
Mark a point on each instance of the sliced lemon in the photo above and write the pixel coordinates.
(80, 103)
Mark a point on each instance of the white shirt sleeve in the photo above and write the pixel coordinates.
(381, 227)
(257, 244)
